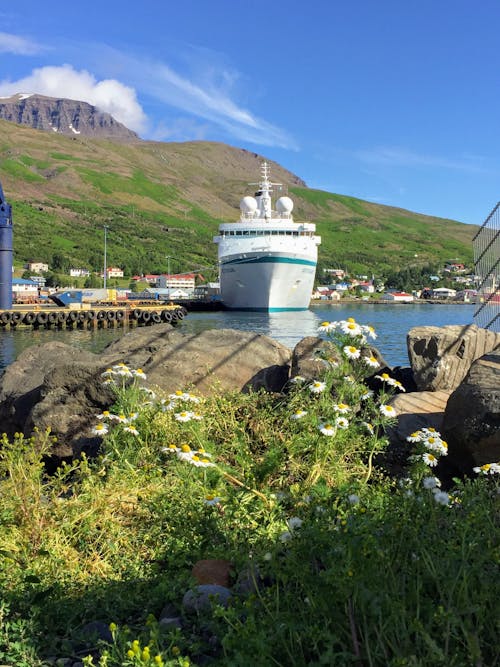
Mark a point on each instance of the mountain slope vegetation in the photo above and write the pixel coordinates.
(167, 199)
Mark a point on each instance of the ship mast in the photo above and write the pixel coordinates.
(263, 196)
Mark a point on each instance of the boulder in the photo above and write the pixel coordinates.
(440, 357)
(471, 422)
(58, 386)
(307, 357)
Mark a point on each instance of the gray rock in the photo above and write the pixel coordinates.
(307, 359)
(203, 597)
(170, 623)
(60, 387)
(441, 356)
(471, 423)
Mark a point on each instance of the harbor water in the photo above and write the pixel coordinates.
(391, 322)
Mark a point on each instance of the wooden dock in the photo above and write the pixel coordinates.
(86, 317)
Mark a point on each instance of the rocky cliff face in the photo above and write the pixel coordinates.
(68, 117)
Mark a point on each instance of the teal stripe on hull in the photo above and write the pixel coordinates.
(269, 260)
(267, 310)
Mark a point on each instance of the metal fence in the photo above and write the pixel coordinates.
(486, 245)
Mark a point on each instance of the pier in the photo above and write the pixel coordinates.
(99, 316)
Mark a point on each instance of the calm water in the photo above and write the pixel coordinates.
(391, 322)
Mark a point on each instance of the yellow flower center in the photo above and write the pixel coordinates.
(185, 448)
(351, 319)
(178, 392)
(325, 324)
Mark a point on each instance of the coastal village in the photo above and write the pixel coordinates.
(455, 283)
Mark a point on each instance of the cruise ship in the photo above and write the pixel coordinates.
(267, 262)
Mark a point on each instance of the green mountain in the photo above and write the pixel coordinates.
(167, 199)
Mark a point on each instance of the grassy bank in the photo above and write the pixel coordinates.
(334, 560)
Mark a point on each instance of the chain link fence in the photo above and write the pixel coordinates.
(486, 244)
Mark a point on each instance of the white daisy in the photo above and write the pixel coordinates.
(170, 449)
(387, 410)
(299, 414)
(183, 416)
(416, 436)
(369, 331)
(341, 408)
(139, 373)
(100, 429)
(317, 387)
(327, 429)
(199, 462)
(342, 422)
(369, 427)
(297, 379)
(366, 395)
(351, 352)
(385, 377)
(351, 328)
(131, 429)
(487, 469)
(349, 378)
(397, 384)
(327, 326)
(104, 415)
(429, 459)
(371, 361)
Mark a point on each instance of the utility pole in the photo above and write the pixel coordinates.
(105, 254)
(168, 258)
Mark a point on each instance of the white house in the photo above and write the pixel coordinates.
(37, 267)
(443, 293)
(182, 281)
(79, 273)
(402, 297)
(114, 272)
(23, 288)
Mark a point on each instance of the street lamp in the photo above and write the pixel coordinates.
(105, 253)
(168, 258)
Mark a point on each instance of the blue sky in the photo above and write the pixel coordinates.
(394, 102)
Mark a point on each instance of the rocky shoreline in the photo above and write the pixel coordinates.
(452, 383)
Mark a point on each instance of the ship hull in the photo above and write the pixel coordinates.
(271, 282)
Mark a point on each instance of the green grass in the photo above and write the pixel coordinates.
(344, 563)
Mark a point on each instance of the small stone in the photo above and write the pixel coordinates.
(212, 571)
(170, 623)
(203, 597)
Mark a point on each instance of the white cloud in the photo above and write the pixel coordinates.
(108, 95)
(20, 46)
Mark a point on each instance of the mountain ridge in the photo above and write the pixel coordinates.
(167, 199)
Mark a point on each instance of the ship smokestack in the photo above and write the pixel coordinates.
(5, 253)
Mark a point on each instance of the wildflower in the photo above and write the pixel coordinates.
(327, 429)
(299, 414)
(342, 408)
(196, 416)
(366, 395)
(317, 387)
(369, 331)
(170, 449)
(371, 361)
(387, 410)
(327, 326)
(107, 373)
(132, 430)
(191, 398)
(176, 396)
(183, 416)
(100, 429)
(369, 427)
(139, 373)
(211, 500)
(353, 499)
(442, 497)
(342, 422)
(385, 377)
(351, 352)
(349, 378)
(104, 415)
(397, 384)
(487, 469)
(121, 419)
(148, 391)
(431, 483)
(350, 328)
(429, 459)
(195, 460)
(165, 407)
(185, 453)
(122, 370)
(293, 523)
(297, 379)
(416, 436)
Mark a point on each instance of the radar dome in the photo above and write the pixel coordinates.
(284, 205)
(248, 204)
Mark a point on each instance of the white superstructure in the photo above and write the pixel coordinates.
(266, 260)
